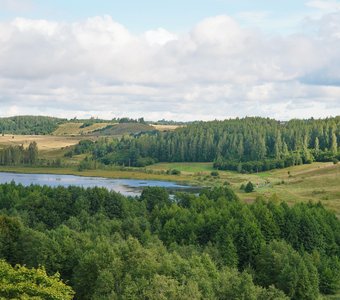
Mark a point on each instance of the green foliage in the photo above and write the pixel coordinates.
(279, 264)
(244, 145)
(17, 155)
(207, 246)
(29, 124)
(249, 187)
(173, 172)
(23, 283)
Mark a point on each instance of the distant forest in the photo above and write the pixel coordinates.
(29, 125)
(246, 145)
(211, 246)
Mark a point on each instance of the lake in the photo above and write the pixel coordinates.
(127, 187)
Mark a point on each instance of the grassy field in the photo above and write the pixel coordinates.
(183, 167)
(166, 127)
(314, 182)
(45, 142)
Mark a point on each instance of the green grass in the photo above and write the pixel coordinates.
(183, 167)
(116, 174)
(314, 182)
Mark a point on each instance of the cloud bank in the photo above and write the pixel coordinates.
(218, 69)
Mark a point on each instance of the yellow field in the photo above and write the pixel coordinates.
(73, 128)
(166, 127)
(45, 142)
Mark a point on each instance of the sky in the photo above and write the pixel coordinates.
(180, 60)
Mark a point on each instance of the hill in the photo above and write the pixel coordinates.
(123, 129)
(77, 128)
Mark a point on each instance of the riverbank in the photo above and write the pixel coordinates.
(113, 174)
(315, 182)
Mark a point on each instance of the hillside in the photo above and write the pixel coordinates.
(75, 128)
(123, 129)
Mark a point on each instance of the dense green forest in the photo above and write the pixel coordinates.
(29, 125)
(249, 144)
(207, 246)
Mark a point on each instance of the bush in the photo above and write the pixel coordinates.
(249, 187)
(173, 172)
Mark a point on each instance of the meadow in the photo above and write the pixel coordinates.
(311, 182)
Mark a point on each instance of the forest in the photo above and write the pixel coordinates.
(245, 145)
(18, 155)
(29, 125)
(206, 246)
(42, 125)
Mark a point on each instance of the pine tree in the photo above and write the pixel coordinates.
(249, 187)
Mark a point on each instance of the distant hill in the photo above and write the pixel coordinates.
(123, 129)
(79, 128)
(29, 125)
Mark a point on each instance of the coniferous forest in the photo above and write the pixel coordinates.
(244, 145)
(207, 246)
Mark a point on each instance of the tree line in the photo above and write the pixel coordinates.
(206, 246)
(247, 144)
(29, 125)
(18, 155)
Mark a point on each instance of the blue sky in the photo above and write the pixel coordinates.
(173, 15)
(180, 60)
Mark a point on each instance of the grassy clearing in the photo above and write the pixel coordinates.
(315, 182)
(184, 167)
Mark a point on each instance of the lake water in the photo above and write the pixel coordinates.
(127, 187)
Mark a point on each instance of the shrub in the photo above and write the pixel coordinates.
(249, 187)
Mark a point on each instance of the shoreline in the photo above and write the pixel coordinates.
(99, 173)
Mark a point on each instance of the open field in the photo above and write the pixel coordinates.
(314, 182)
(45, 142)
(183, 167)
(74, 128)
(166, 127)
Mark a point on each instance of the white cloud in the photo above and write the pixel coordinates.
(216, 70)
(324, 5)
(159, 36)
